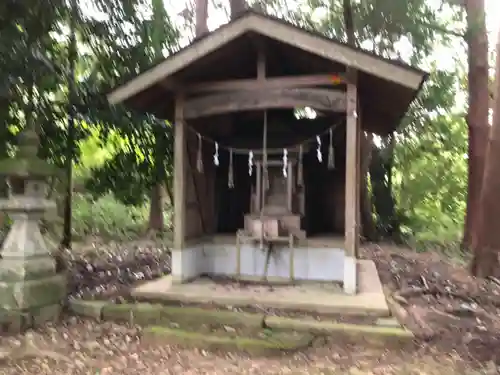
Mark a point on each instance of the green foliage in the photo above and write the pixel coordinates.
(107, 217)
(431, 175)
(94, 154)
(123, 44)
(34, 50)
(430, 164)
(122, 155)
(423, 167)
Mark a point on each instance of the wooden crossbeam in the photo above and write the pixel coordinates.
(319, 99)
(264, 84)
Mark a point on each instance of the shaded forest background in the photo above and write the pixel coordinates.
(59, 57)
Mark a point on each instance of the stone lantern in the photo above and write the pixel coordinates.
(30, 289)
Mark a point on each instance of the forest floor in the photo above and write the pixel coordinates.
(455, 317)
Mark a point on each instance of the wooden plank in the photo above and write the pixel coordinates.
(320, 99)
(267, 84)
(179, 175)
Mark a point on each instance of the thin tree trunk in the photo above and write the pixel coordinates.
(156, 209)
(70, 142)
(477, 118)
(388, 225)
(369, 229)
(349, 22)
(237, 7)
(486, 239)
(156, 220)
(170, 193)
(201, 16)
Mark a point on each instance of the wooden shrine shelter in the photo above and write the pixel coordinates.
(258, 174)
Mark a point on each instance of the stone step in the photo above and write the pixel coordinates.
(330, 327)
(269, 344)
(175, 321)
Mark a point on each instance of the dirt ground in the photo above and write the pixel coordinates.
(455, 317)
(441, 303)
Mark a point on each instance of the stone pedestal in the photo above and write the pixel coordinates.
(30, 289)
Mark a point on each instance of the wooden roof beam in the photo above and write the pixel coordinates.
(259, 99)
(281, 32)
(269, 83)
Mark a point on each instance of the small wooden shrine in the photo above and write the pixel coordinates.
(268, 119)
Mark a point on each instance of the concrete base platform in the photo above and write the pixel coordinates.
(315, 297)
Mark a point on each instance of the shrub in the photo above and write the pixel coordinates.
(107, 217)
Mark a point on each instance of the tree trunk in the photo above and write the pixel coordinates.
(349, 22)
(156, 209)
(368, 227)
(237, 7)
(486, 239)
(67, 232)
(4, 193)
(201, 16)
(170, 193)
(162, 147)
(477, 117)
(383, 199)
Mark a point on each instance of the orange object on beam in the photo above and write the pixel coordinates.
(336, 79)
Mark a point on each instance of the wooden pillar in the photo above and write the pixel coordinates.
(359, 228)
(258, 199)
(351, 187)
(262, 166)
(289, 186)
(179, 175)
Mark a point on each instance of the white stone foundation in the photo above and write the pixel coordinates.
(188, 263)
(350, 275)
(310, 264)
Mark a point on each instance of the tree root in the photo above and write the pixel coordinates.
(437, 291)
(409, 318)
(28, 349)
(413, 316)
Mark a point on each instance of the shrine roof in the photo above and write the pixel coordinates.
(386, 87)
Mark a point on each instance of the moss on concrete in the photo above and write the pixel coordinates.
(16, 321)
(32, 293)
(281, 333)
(13, 270)
(195, 315)
(31, 303)
(272, 345)
(45, 314)
(12, 321)
(138, 313)
(327, 327)
(388, 322)
(145, 313)
(88, 309)
(118, 313)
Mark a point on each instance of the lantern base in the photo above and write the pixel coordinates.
(31, 291)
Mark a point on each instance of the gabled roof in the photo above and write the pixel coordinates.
(285, 32)
(397, 75)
